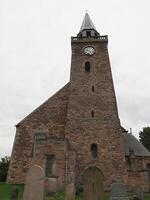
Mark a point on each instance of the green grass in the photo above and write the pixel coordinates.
(79, 196)
(147, 196)
(5, 190)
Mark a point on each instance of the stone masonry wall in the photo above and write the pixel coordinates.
(138, 174)
(49, 118)
(102, 129)
(72, 120)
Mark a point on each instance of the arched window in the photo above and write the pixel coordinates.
(87, 66)
(94, 150)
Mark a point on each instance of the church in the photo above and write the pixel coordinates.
(79, 127)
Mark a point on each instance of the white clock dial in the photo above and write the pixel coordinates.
(89, 51)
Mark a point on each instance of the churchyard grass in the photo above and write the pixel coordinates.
(5, 190)
(61, 196)
(147, 196)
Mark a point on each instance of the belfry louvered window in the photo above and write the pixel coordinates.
(88, 33)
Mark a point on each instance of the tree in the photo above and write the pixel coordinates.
(144, 136)
(4, 164)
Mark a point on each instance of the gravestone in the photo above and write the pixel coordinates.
(34, 184)
(93, 188)
(70, 191)
(14, 193)
(51, 185)
(137, 192)
(118, 192)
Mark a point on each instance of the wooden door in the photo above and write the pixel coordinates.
(93, 184)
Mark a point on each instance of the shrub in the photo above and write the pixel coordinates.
(4, 164)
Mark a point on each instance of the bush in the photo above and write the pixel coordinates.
(4, 164)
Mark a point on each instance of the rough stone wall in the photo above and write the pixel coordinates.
(137, 173)
(103, 128)
(77, 126)
(54, 147)
(49, 118)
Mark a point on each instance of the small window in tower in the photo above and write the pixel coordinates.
(92, 113)
(94, 150)
(88, 33)
(92, 88)
(87, 66)
(32, 150)
(49, 165)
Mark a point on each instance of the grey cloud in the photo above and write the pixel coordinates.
(35, 56)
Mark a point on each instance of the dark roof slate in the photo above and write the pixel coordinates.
(131, 143)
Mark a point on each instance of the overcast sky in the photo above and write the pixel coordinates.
(35, 55)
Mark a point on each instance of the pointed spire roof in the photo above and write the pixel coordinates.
(87, 23)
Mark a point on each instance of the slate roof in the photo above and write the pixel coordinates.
(131, 143)
(87, 23)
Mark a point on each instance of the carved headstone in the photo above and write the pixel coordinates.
(70, 191)
(34, 184)
(118, 192)
(14, 193)
(137, 192)
(93, 184)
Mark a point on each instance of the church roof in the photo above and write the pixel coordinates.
(87, 23)
(131, 143)
(52, 112)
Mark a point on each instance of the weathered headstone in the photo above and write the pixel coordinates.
(51, 185)
(93, 188)
(118, 192)
(14, 193)
(34, 184)
(137, 192)
(70, 191)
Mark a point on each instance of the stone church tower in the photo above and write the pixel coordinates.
(93, 127)
(79, 127)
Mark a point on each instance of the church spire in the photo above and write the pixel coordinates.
(87, 28)
(87, 23)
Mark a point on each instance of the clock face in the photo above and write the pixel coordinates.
(89, 51)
